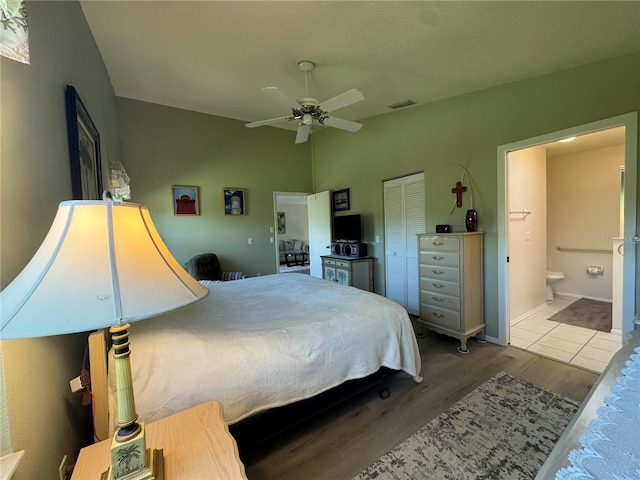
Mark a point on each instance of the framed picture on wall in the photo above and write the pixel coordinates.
(281, 225)
(341, 200)
(186, 200)
(84, 149)
(234, 201)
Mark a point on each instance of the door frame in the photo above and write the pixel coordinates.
(274, 229)
(630, 122)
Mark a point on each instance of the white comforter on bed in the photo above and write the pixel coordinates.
(263, 342)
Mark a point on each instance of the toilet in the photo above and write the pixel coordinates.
(552, 277)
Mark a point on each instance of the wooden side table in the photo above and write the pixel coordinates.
(196, 444)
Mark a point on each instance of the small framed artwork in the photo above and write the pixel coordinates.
(281, 225)
(84, 149)
(186, 200)
(234, 201)
(341, 200)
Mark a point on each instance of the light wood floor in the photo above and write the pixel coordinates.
(338, 445)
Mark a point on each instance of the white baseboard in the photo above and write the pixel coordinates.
(573, 295)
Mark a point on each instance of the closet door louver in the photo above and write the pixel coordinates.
(404, 209)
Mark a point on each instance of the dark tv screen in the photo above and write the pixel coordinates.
(347, 228)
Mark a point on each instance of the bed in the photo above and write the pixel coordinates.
(255, 345)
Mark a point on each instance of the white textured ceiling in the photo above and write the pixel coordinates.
(215, 56)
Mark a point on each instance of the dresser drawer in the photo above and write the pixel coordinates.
(441, 301)
(439, 287)
(440, 317)
(440, 259)
(449, 274)
(438, 243)
(335, 263)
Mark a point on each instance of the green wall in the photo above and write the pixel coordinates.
(164, 146)
(435, 136)
(45, 418)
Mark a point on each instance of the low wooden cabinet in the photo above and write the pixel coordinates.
(451, 289)
(353, 271)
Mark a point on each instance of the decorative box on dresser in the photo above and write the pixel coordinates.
(451, 288)
(353, 271)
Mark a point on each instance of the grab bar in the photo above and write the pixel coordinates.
(584, 250)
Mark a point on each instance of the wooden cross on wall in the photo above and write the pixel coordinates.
(458, 191)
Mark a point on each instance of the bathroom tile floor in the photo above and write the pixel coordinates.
(589, 349)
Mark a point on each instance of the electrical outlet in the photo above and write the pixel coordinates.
(75, 384)
(250, 241)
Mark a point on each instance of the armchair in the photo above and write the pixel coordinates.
(206, 266)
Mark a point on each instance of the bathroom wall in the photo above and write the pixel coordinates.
(583, 205)
(527, 236)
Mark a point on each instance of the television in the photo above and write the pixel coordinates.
(347, 228)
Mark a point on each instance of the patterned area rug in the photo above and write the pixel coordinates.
(586, 313)
(504, 429)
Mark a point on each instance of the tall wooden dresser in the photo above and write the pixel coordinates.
(450, 267)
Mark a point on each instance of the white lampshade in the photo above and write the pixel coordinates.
(101, 264)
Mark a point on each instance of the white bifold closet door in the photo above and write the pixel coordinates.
(404, 218)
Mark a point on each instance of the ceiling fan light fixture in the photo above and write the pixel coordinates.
(307, 109)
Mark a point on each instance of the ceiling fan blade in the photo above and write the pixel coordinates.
(341, 124)
(303, 132)
(276, 93)
(267, 122)
(342, 100)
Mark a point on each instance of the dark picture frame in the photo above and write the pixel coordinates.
(234, 201)
(185, 199)
(341, 200)
(84, 149)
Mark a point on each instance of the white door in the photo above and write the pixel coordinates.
(404, 218)
(319, 210)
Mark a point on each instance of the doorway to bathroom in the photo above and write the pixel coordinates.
(567, 208)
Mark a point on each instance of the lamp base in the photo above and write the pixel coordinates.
(156, 468)
(130, 460)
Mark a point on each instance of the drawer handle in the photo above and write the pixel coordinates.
(437, 243)
(438, 285)
(438, 299)
(438, 257)
(438, 272)
(438, 315)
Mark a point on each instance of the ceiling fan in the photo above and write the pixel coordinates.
(308, 109)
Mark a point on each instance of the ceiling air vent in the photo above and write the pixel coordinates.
(404, 103)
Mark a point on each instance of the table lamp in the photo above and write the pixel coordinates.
(101, 264)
